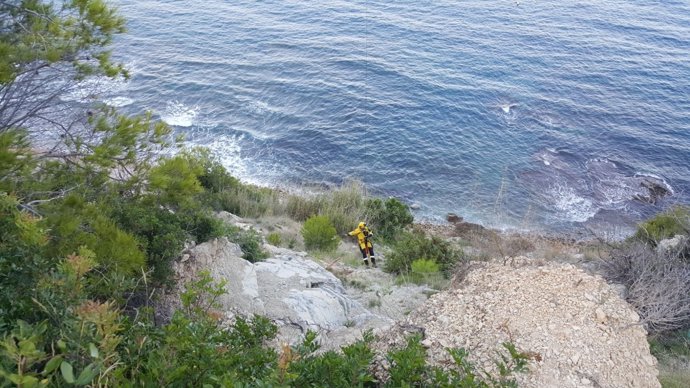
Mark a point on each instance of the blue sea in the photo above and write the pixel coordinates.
(527, 115)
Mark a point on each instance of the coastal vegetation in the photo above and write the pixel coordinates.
(92, 219)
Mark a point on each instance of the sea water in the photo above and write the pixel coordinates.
(538, 115)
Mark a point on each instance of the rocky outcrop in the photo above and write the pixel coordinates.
(576, 329)
(655, 190)
(288, 288)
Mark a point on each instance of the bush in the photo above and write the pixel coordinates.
(212, 175)
(21, 262)
(387, 218)
(274, 239)
(319, 234)
(174, 181)
(74, 223)
(658, 284)
(665, 225)
(424, 266)
(346, 368)
(415, 246)
(161, 232)
(409, 368)
(424, 270)
(250, 242)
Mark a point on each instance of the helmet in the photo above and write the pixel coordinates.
(362, 225)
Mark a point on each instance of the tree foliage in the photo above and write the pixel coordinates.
(45, 47)
(388, 218)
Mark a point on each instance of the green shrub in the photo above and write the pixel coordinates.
(74, 223)
(201, 225)
(408, 365)
(409, 368)
(161, 232)
(415, 246)
(424, 271)
(21, 262)
(212, 175)
(193, 350)
(250, 242)
(319, 234)
(387, 218)
(346, 368)
(274, 239)
(665, 225)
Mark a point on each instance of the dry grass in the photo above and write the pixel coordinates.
(344, 206)
(673, 353)
(481, 244)
(674, 378)
(288, 230)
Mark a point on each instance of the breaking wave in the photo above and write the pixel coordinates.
(179, 115)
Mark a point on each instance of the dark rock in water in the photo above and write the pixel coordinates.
(656, 191)
(453, 218)
(463, 228)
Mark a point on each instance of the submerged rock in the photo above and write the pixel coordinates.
(453, 218)
(656, 190)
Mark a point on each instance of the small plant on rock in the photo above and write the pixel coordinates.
(274, 239)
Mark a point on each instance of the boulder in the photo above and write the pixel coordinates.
(453, 218)
(655, 190)
(671, 244)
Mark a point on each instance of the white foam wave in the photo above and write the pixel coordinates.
(119, 101)
(179, 115)
(227, 149)
(94, 88)
(571, 205)
(507, 107)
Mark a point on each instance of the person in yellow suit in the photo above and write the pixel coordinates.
(364, 235)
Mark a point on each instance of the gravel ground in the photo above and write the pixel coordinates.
(575, 328)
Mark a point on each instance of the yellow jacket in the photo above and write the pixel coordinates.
(362, 232)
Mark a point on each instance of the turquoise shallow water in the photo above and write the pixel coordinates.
(541, 115)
